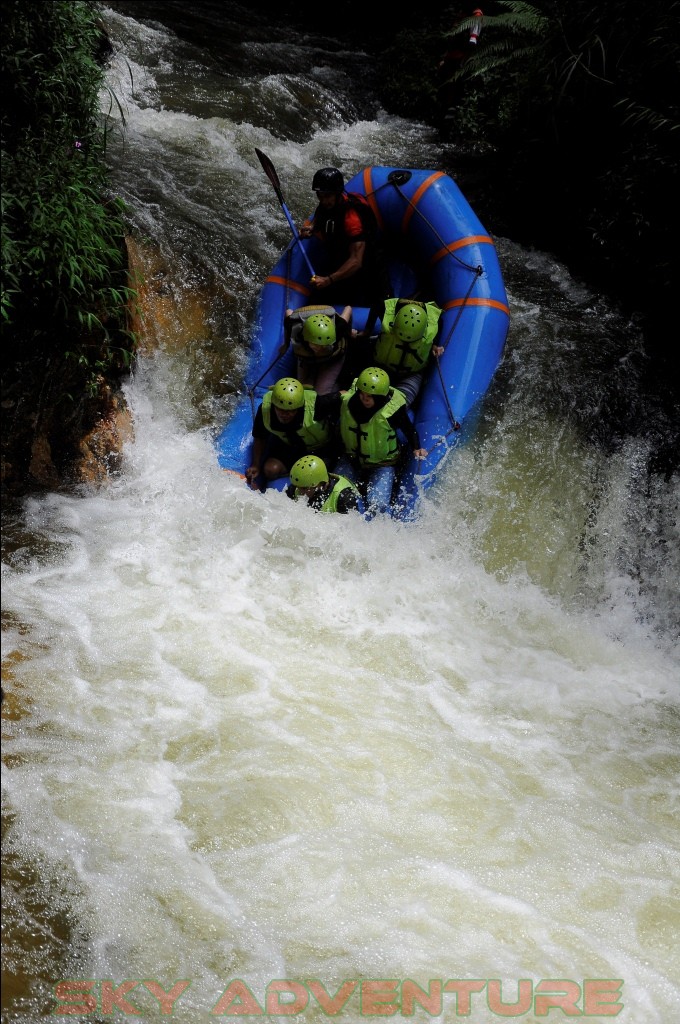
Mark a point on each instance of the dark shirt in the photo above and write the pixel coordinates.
(401, 421)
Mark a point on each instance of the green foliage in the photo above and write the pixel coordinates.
(407, 65)
(597, 112)
(581, 104)
(615, 55)
(64, 281)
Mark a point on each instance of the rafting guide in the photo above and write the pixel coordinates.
(593, 998)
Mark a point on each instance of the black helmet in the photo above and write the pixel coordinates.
(328, 179)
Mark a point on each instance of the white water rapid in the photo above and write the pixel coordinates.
(244, 742)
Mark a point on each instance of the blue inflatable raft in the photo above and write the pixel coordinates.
(437, 250)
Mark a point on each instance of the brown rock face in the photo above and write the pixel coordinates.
(101, 450)
(55, 436)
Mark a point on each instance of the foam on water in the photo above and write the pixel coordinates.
(262, 743)
(242, 740)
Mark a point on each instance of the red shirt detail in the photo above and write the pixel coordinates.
(353, 224)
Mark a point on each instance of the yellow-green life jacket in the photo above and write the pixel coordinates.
(340, 484)
(400, 358)
(374, 442)
(313, 433)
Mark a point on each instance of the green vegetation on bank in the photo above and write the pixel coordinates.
(64, 267)
(580, 104)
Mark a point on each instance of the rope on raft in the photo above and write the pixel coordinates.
(476, 271)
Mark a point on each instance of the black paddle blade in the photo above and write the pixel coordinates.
(270, 171)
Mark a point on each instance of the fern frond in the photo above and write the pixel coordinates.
(637, 114)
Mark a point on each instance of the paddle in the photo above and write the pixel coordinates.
(270, 171)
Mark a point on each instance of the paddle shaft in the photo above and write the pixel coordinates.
(270, 171)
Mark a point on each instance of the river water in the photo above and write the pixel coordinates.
(243, 743)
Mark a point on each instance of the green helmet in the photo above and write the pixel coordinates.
(410, 323)
(288, 393)
(319, 330)
(309, 471)
(373, 381)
